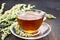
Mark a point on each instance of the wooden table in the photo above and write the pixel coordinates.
(48, 6)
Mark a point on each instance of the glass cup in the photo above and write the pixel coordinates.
(30, 20)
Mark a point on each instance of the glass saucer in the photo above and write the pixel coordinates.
(44, 30)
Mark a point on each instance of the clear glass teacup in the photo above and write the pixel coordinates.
(30, 20)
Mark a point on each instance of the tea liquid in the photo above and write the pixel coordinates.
(30, 21)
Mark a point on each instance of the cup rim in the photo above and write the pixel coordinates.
(32, 10)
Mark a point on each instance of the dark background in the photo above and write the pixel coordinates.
(49, 6)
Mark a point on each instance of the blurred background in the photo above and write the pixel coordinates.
(40, 4)
(45, 5)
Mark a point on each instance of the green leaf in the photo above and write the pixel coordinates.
(50, 16)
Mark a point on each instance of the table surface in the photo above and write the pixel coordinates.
(49, 6)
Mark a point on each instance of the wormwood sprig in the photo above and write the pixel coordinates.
(2, 7)
(9, 17)
(50, 16)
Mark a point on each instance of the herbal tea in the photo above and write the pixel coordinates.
(30, 21)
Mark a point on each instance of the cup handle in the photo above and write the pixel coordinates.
(44, 19)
